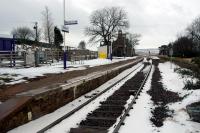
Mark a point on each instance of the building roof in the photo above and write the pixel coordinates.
(6, 36)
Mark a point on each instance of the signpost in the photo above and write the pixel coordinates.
(66, 30)
(71, 22)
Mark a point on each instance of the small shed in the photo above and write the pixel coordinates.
(6, 44)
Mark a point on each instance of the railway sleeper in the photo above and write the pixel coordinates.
(98, 122)
(121, 95)
(114, 102)
(101, 118)
(87, 130)
(127, 92)
(110, 108)
(104, 114)
(117, 98)
(134, 84)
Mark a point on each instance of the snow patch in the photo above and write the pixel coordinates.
(180, 121)
(18, 74)
(155, 57)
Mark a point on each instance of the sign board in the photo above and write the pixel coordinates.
(65, 29)
(71, 22)
(102, 52)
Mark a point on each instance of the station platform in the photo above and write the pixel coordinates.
(45, 99)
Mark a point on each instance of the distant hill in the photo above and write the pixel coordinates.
(153, 51)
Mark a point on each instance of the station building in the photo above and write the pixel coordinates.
(120, 48)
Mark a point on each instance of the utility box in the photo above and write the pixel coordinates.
(30, 58)
(102, 52)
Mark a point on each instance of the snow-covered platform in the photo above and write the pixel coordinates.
(46, 99)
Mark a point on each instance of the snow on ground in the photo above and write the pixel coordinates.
(155, 57)
(72, 121)
(180, 122)
(35, 125)
(170, 79)
(17, 75)
(139, 119)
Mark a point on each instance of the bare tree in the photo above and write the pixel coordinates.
(133, 39)
(193, 31)
(48, 28)
(24, 33)
(82, 45)
(105, 23)
(48, 25)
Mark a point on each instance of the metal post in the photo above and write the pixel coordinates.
(11, 59)
(111, 50)
(65, 53)
(13, 49)
(124, 45)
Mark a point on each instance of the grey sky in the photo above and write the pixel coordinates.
(158, 21)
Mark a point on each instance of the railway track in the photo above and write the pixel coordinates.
(106, 116)
(112, 111)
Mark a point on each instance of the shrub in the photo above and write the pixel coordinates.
(196, 60)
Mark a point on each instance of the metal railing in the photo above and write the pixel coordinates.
(12, 58)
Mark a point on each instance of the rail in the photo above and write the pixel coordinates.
(84, 104)
(123, 117)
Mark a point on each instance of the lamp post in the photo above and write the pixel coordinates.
(36, 31)
(65, 53)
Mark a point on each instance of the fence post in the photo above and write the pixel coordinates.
(14, 57)
(10, 58)
(24, 54)
(36, 58)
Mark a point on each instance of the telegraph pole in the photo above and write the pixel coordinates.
(65, 54)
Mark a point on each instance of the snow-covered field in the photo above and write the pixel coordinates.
(17, 75)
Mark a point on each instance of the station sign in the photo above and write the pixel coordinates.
(65, 29)
(71, 22)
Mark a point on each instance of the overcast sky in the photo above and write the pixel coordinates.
(158, 21)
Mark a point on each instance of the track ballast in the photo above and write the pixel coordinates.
(112, 111)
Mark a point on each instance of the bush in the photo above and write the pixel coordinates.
(196, 60)
(190, 85)
(184, 72)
